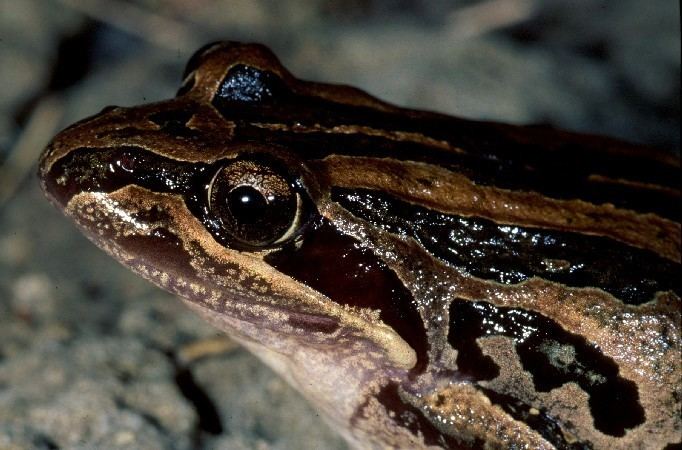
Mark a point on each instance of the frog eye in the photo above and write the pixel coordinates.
(256, 204)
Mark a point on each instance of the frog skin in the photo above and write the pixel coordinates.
(424, 281)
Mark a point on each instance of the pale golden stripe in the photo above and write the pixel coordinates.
(452, 193)
(398, 136)
(597, 178)
(422, 139)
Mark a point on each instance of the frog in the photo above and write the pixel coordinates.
(425, 281)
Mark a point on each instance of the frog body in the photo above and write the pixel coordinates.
(425, 281)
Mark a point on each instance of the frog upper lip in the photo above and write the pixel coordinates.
(44, 165)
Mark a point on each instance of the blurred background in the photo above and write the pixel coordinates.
(93, 357)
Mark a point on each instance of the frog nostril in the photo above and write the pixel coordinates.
(174, 122)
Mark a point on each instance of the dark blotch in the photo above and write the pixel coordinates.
(72, 62)
(552, 356)
(512, 254)
(160, 248)
(75, 55)
(315, 324)
(44, 442)
(209, 420)
(470, 359)
(337, 266)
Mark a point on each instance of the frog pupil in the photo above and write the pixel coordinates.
(247, 204)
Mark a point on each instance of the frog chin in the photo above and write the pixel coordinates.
(350, 371)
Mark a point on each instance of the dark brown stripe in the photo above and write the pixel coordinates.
(451, 193)
(105, 170)
(512, 254)
(560, 181)
(554, 163)
(504, 253)
(109, 169)
(328, 261)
